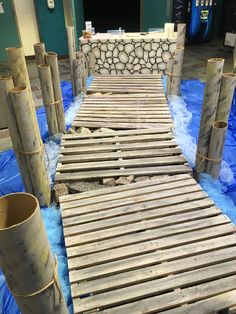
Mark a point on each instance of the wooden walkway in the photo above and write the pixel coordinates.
(159, 246)
(121, 153)
(124, 102)
(126, 84)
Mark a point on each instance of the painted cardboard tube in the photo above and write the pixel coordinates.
(39, 50)
(79, 73)
(26, 259)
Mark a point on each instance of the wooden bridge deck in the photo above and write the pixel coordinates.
(160, 246)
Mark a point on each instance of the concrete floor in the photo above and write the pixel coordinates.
(195, 61)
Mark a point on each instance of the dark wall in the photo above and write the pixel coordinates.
(107, 14)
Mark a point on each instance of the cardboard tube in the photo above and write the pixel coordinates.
(211, 95)
(79, 73)
(26, 259)
(72, 56)
(169, 74)
(181, 32)
(177, 72)
(226, 96)
(91, 63)
(39, 50)
(48, 98)
(31, 144)
(51, 60)
(216, 148)
(6, 84)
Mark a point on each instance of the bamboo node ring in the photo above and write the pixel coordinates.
(54, 280)
(54, 102)
(29, 153)
(217, 161)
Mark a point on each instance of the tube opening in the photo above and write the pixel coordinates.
(5, 77)
(38, 44)
(18, 89)
(220, 125)
(229, 75)
(51, 54)
(16, 208)
(13, 48)
(216, 60)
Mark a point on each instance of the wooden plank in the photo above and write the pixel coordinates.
(155, 287)
(153, 272)
(152, 258)
(129, 120)
(221, 291)
(122, 172)
(158, 161)
(95, 125)
(126, 117)
(120, 253)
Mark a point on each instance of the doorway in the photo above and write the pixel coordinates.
(106, 14)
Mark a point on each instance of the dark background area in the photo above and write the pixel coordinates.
(107, 14)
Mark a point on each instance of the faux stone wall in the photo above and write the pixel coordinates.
(124, 56)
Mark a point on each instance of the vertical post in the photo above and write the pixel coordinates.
(91, 63)
(27, 262)
(177, 71)
(39, 50)
(48, 98)
(6, 85)
(211, 95)
(169, 74)
(216, 148)
(32, 147)
(181, 33)
(79, 74)
(51, 60)
(72, 50)
(227, 89)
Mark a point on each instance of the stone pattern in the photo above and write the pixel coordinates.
(129, 56)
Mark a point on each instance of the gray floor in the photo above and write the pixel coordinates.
(195, 61)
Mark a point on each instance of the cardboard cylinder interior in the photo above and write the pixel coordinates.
(216, 148)
(39, 50)
(211, 96)
(6, 84)
(31, 144)
(51, 60)
(26, 259)
(227, 89)
(48, 98)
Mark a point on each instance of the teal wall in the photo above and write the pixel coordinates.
(51, 25)
(155, 13)
(8, 30)
(79, 16)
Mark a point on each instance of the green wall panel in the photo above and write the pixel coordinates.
(8, 30)
(79, 16)
(155, 13)
(51, 23)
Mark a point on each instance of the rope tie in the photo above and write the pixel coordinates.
(29, 153)
(54, 280)
(54, 102)
(217, 161)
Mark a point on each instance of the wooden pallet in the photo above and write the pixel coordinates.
(149, 247)
(126, 84)
(122, 153)
(123, 111)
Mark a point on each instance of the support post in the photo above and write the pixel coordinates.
(181, 32)
(39, 50)
(91, 63)
(79, 73)
(177, 71)
(211, 95)
(169, 74)
(227, 89)
(51, 60)
(72, 50)
(32, 147)
(216, 148)
(27, 262)
(48, 98)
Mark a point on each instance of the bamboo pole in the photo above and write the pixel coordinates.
(6, 84)
(39, 50)
(32, 146)
(181, 32)
(211, 95)
(91, 63)
(177, 72)
(48, 98)
(216, 148)
(226, 96)
(26, 260)
(169, 74)
(72, 53)
(51, 60)
(79, 73)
